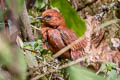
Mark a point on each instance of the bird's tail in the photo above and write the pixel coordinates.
(77, 54)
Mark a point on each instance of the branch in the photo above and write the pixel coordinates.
(27, 30)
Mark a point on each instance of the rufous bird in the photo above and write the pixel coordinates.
(56, 35)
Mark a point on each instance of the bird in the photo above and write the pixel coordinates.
(56, 35)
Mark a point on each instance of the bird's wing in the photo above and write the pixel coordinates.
(55, 40)
(44, 31)
(69, 36)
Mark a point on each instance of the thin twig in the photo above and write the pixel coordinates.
(25, 49)
(66, 48)
(108, 23)
(35, 27)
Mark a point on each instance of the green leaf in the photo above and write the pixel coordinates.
(28, 46)
(118, 78)
(5, 53)
(103, 67)
(112, 74)
(72, 19)
(13, 58)
(79, 73)
(22, 67)
(31, 60)
(36, 45)
(108, 66)
(40, 4)
(113, 65)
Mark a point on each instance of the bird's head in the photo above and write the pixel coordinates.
(52, 18)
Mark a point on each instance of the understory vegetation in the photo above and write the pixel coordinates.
(23, 56)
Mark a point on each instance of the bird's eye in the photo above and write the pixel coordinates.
(47, 17)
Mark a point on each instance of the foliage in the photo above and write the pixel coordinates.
(72, 19)
(33, 45)
(12, 57)
(40, 4)
(79, 73)
(110, 68)
(36, 46)
(41, 60)
(5, 53)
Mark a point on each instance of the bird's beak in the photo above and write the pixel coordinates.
(41, 18)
